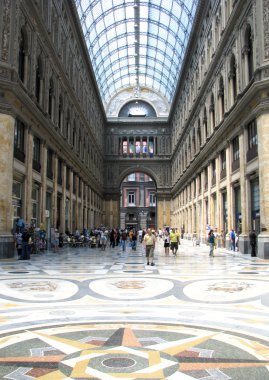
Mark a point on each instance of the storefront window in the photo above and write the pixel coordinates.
(35, 206)
(17, 199)
(237, 204)
(255, 205)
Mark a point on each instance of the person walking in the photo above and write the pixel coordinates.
(149, 242)
(103, 240)
(56, 240)
(25, 253)
(134, 240)
(211, 242)
(174, 240)
(253, 242)
(18, 240)
(166, 239)
(232, 239)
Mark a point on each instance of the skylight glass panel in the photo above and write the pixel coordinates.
(96, 10)
(144, 25)
(111, 37)
(125, 81)
(143, 61)
(150, 82)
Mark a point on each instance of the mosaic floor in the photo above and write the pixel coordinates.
(87, 314)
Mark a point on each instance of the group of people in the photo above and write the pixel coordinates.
(120, 237)
(211, 239)
(171, 238)
(29, 239)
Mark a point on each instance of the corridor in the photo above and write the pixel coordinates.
(87, 314)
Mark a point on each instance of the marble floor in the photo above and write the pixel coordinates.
(86, 314)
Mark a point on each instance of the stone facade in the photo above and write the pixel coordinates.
(218, 127)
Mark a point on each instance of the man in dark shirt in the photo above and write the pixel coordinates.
(253, 242)
(25, 253)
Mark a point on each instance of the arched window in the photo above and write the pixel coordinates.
(233, 78)
(74, 136)
(60, 113)
(199, 140)
(22, 56)
(221, 98)
(205, 124)
(51, 98)
(248, 53)
(38, 78)
(193, 144)
(212, 112)
(67, 128)
(79, 145)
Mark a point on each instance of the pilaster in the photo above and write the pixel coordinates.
(54, 192)
(6, 210)
(263, 144)
(43, 191)
(229, 193)
(63, 203)
(163, 211)
(70, 211)
(243, 241)
(29, 175)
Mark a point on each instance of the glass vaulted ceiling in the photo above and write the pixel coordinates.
(134, 44)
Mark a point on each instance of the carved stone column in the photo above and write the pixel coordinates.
(202, 214)
(6, 210)
(76, 216)
(81, 206)
(70, 219)
(63, 203)
(54, 192)
(263, 144)
(163, 210)
(28, 176)
(112, 216)
(43, 193)
(243, 241)
(229, 194)
(218, 197)
(85, 220)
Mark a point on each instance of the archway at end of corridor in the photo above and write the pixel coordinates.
(138, 202)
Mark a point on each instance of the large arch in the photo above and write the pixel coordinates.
(160, 174)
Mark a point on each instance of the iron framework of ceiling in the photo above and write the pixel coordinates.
(135, 43)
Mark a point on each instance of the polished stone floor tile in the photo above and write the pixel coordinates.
(86, 314)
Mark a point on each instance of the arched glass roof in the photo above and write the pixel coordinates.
(135, 43)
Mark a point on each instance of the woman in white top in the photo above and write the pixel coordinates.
(166, 239)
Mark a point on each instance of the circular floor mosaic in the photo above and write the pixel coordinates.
(132, 351)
